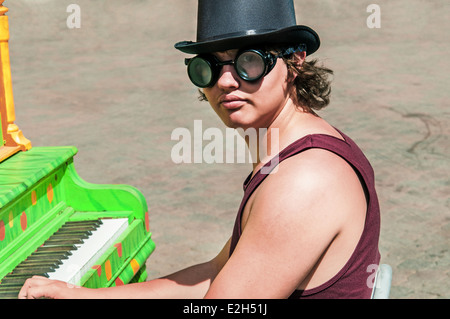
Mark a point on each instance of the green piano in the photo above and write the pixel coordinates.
(52, 222)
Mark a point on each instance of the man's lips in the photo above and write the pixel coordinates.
(231, 102)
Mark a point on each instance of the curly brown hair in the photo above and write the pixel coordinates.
(312, 85)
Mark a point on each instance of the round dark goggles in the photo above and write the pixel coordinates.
(250, 65)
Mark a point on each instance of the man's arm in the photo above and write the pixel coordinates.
(192, 282)
(299, 229)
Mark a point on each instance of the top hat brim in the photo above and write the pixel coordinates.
(288, 36)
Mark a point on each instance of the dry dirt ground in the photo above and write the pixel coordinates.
(116, 89)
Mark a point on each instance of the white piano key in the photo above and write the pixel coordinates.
(82, 259)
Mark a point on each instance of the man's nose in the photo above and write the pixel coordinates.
(228, 77)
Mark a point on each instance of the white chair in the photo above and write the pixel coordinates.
(382, 284)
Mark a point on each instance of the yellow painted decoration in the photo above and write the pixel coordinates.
(50, 193)
(108, 271)
(33, 198)
(134, 265)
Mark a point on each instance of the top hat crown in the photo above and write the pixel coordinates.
(231, 24)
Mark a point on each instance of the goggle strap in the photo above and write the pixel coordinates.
(290, 50)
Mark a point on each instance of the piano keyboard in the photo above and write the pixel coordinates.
(87, 253)
(67, 255)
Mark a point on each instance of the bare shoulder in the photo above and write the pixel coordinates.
(315, 183)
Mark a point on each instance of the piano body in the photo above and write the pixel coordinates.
(55, 224)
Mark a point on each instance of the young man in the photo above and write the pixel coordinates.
(308, 229)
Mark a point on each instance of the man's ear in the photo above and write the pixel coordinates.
(299, 60)
(301, 56)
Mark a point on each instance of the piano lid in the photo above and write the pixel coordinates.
(11, 137)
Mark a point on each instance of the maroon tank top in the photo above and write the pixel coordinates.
(353, 280)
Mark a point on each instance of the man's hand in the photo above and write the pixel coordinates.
(41, 287)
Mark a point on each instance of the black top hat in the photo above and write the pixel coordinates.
(232, 24)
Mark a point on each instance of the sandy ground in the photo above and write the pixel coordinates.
(116, 89)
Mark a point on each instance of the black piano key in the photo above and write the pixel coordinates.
(43, 257)
(30, 268)
(9, 295)
(34, 262)
(64, 241)
(77, 229)
(19, 279)
(48, 257)
(74, 233)
(8, 291)
(70, 236)
(31, 271)
(8, 286)
(83, 223)
(54, 248)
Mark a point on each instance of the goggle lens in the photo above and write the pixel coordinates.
(200, 72)
(250, 65)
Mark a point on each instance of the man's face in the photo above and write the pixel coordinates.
(242, 104)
